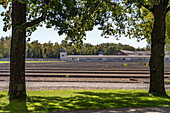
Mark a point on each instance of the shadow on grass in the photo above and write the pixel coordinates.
(86, 100)
(92, 100)
(1, 96)
(16, 107)
(12, 107)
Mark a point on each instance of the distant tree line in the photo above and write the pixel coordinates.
(5, 47)
(52, 50)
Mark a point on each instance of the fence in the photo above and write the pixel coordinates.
(33, 59)
(42, 59)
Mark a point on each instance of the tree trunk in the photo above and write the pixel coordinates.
(17, 87)
(157, 51)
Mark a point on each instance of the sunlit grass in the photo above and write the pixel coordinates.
(4, 61)
(167, 81)
(48, 101)
(43, 61)
(34, 61)
(125, 65)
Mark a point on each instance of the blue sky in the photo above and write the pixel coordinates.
(44, 35)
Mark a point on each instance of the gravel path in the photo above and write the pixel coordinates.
(122, 110)
(79, 85)
(88, 85)
(118, 77)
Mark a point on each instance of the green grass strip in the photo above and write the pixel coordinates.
(4, 62)
(49, 101)
(43, 61)
(34, 61)
(167, 81)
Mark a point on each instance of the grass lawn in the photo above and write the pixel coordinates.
(4, 61)
(167, 81)
(48, 101)
(33, 61)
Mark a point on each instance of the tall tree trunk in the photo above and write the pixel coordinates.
(17, 87)
(157, 51)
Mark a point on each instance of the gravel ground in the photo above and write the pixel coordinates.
(112, 75)
(70, 79)
(122, 110)
(126, 80)
(78, 85)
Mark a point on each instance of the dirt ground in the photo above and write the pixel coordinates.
(89, 72)
(118, 74)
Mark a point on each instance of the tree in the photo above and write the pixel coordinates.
(127, 17)
(5, 47)
(57, 49)
(48, 50)
(36, 50)
(127, 47)
(159, 10)
(26, 16)
(17, 88)
(167, 41)
(110, 50)
(75, 17)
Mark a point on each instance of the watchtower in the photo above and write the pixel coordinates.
(63, 55)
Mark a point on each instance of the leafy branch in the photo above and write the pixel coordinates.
(112, 3)
(37, 20)
(148, 7)
(32, 23)
(168, 9)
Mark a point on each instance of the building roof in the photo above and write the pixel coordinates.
(106, 56)
(136, 52)
(127, 52)
(143, 52)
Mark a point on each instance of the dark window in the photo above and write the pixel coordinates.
(88, 59)
(75, 58)
(166, 58)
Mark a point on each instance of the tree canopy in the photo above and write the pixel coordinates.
(52, 50)
(138, 19)
(134, 19)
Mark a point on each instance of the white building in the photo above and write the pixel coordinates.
(108, 58)
(63, 55)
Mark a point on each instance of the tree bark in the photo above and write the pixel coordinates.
(157, 51)
(17, 87)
